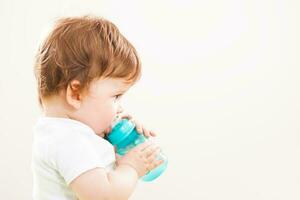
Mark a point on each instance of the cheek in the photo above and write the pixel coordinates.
(96, 115)
(112, 111)
(105, 115)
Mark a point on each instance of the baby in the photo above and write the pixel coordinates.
(83, 68)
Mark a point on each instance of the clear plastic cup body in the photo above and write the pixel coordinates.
(125, 137)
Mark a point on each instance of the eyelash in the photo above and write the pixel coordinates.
(118, 96)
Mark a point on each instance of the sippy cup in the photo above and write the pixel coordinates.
(125, 137)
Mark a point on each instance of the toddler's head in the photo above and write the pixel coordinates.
(82, 68)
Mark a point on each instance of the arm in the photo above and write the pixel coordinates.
(124, 177)
(97, 184)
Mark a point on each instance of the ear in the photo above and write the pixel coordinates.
(73, 95)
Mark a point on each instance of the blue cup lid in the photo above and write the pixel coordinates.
(120, 131)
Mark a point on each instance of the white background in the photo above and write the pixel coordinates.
(220, 86)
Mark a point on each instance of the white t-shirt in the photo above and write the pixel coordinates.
(62, 150)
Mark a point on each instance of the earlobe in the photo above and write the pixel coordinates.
(73, 95)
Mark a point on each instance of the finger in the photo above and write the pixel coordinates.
(125, 115)
(149, 151)
(135, 122)
(139, 129)
(152, 133)
(154, 164)
(154, 154)
(146, 132)
(144, 145)
(157, 163)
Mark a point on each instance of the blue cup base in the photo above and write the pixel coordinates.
(155, 173)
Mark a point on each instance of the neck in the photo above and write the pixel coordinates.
(55, 107)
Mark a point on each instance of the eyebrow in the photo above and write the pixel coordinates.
(121, 91)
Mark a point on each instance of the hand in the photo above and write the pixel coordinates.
(139, 127)
(142, 158)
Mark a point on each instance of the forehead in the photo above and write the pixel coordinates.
(109, 85)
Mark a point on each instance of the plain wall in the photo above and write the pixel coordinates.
(220, 86)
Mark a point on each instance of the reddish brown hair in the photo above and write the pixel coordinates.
(84, 48)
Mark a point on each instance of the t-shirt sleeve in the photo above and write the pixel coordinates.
(74, 156)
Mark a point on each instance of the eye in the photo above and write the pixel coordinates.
(118, 96)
